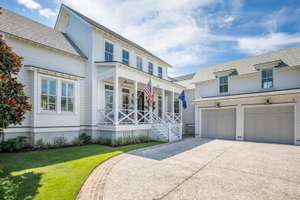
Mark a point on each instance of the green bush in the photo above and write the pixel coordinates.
(59, 142)
(77, 142)
(130, 140)
(86, 139)
(14, 144)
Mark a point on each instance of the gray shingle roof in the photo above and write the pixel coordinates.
(184, 77)
(28, 29)
(105, 29)
(290, 56)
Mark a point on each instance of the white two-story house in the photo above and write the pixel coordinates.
(83, 77)
(253, 99)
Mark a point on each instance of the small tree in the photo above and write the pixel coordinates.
(13, 101)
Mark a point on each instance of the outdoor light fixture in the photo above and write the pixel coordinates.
(268, 102)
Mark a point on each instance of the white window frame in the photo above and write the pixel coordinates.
(111, 89)
(67, 97)
(160, 74)
(219, 84)
(262, 79)
(151, 72)
(125, 60)
(139, 62)
(108, 52)
(48, 79)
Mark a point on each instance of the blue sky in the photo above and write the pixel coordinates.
(189, 34)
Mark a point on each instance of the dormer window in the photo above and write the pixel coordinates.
(109, 52)
(125, 57)
(223, 84)
(267, 78)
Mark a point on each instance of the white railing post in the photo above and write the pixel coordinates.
(173, 105)
(135, 102)
(163, 106)
(116, 99)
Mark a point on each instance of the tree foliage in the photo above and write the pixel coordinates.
(13, 101)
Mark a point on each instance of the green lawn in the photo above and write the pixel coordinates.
(56, 174)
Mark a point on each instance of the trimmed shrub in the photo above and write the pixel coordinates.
(59, 142)
(77, 142)
(14, 144)
(86, 139)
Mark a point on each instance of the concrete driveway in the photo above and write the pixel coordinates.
(199, 169)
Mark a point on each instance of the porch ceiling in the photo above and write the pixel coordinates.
(111, 69)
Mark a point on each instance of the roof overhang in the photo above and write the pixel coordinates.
(53, 72)
(269, 64)
(291, 91)
(228, 72)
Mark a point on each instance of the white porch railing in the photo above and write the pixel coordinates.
(127, 116)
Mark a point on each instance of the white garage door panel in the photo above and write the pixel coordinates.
(270, 124)
(218, 123)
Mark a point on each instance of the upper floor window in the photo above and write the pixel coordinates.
(109, 51)
(125, 57)
(267, 78)
(67, 97)
(139, 62)
(159, 72)
(150, 68)
(48, 94)
(223, 84)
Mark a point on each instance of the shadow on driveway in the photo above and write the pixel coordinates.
(168, 150)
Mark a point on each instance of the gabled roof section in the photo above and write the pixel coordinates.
(107, 30)
(288, 58)
(27, 29)
(184, 77)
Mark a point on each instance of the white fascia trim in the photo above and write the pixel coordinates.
(275, 93)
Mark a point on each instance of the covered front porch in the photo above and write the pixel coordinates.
(123, 106)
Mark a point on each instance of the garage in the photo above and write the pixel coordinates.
(218, 123)
(274, 124)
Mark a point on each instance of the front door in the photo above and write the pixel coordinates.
(141, 103)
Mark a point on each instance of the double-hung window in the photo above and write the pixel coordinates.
(139, 62)
(109, 97)
(223, 84)
(125, 57)
(109, 52)
(150, 68)
(267, 78)
(159, 72)
(67, 97)
(48, 94)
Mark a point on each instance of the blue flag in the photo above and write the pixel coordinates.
(183, 99)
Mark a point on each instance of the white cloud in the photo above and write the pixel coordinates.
(33, 5)
(30, 4)
(270, 42)
(46, 12)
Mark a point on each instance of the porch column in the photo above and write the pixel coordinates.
(116, 99)
(173, 104)
(163, 104)
(135, 97)
(239, 122)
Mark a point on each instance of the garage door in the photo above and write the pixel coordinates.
(218, 123)
(270, 124)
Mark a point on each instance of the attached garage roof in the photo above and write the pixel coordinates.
(290, 57)
(27, 29)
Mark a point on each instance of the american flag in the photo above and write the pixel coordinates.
(149, 93)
